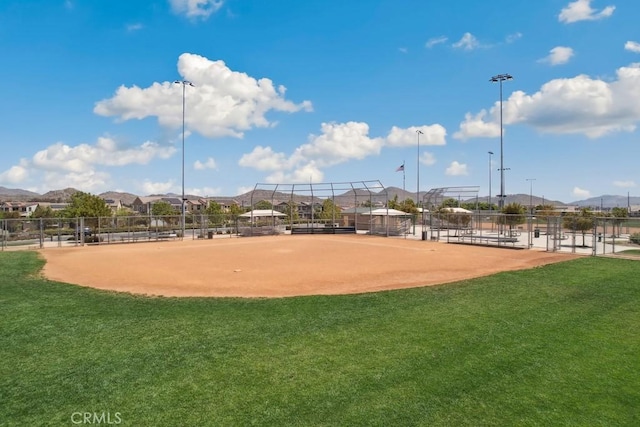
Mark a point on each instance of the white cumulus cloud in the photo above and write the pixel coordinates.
(196, 8)
(14, 175)
(467, 42)
(474, 126)
(427, 159)
(624, 184)
(337, 143)
(264, 159)
(511, 38)
(210, 163)
(87, 180)
(558, 55)
(456, 169)
(205, 191)
(105, 151)
(632, 46)
(578, 105)
(149, 187)
(581, 10)
(221, 103)
(435, 41)
(83, 166)
(431, 135)
(580, 192)
(134, 27)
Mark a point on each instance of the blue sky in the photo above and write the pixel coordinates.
(320, 90)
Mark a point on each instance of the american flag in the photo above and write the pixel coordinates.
(400, 168)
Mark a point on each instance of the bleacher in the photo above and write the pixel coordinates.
(323, 230)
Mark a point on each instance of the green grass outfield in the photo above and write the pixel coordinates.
(555, 345)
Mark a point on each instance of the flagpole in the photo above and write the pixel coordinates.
(403, 178)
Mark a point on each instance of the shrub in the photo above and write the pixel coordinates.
(635, 238)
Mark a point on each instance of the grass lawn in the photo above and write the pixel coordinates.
(633, 252)
(556, 345)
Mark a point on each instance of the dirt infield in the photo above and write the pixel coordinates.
(280, 266)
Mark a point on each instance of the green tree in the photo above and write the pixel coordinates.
(86, 205)
(408, 206)
(43, 212)
(163, 208)
(619, 215)
(579, 221)
(291, 210)
(546, 211)
(124, 212)
(512, 214)
(263, 204)
(329, 210)
(214, 212)
(121, 217)
(449, 203)
(459, 219)
(481, 206)
(393, 203)
(12, 226)
(235, 210)
(451, 219)
(471, 206)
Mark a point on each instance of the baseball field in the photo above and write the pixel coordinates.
(277, 266)
(533, 341)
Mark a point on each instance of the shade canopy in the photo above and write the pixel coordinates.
(386, 212)
(457, 210)
(262, 213)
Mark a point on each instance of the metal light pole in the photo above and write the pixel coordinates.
(490, 204)
(531, 194)
(418, 132)
(501, 226)
(184, 84)
(499, 79)
(490, 173)
(530, 209)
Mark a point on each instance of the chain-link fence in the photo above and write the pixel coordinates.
(42, 233)
(572, 234)
(590, 235)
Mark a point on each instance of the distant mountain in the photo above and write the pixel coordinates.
(59, 196)
(608, 201)
(343, 198)
(16, 194)
(125, 198)
(524, 200)
(272, 196)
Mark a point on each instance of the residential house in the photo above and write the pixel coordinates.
(195, 206)
(143, 205)
(25, 209)
(308, 209)
(113, 204)
(55, 207)
(225, 203)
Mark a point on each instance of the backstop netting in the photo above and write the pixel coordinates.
(322, 208)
